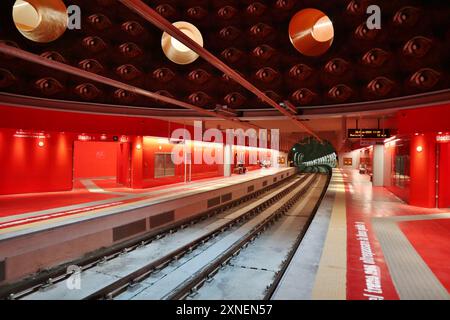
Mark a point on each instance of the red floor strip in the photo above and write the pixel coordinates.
(20, 204)
(19, 222)
(24, 221)
(368, 277)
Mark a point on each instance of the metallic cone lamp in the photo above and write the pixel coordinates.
(175, 50)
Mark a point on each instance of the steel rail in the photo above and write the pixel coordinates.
(63, 67)
(368, 108)
(280, 274)
(192, 285)
(29, 286)
(115, 288)
(160, 22)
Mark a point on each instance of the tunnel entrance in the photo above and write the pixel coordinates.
(311, 155)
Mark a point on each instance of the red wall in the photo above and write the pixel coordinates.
(430, 119)
(95, 159)
(423, 171)
(123, 164)
(426, 122)
(202, 171)
(144, 160)
(136, 162)
(50, 120)
(30, 171)
(444, 175)
(26, 167)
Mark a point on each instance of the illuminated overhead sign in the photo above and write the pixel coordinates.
(368, 133)
(443, 138)
(31, 134)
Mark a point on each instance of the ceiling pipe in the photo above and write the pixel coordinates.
(153, 17)
(36, 59)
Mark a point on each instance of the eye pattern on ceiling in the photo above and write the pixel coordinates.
(409, 55)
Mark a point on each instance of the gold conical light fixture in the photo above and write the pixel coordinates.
(175, 50)
(311, 32)
(40, 20)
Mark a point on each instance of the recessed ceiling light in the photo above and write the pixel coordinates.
(311, 32)
(40, 21)
(323, 30)
(175, 50)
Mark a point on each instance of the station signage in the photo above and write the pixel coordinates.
(368, 133)
(443, 138)
(367, 143)
(31, 134)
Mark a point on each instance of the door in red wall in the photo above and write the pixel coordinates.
(94, 159)
(444, 175)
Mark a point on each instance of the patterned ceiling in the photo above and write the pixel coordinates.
(409, 55)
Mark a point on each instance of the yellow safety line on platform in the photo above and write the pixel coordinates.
(331, 279)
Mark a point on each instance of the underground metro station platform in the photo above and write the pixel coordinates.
(222, 150)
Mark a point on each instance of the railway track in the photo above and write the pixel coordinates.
(47, 281)
(48, 278)
(233, 221)
(272, 215)
(137, 270)
(249, 274)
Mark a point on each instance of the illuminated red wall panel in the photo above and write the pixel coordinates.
(423, 124)
(25, 166)
(444, 175)
(144, 158)
(136, 163)
(423, 171)
(95, 159)
(28, 167)
(123, 164)
(50, 120)
(431, 119)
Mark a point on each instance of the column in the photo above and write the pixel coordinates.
(227, 157)
(378, 165)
